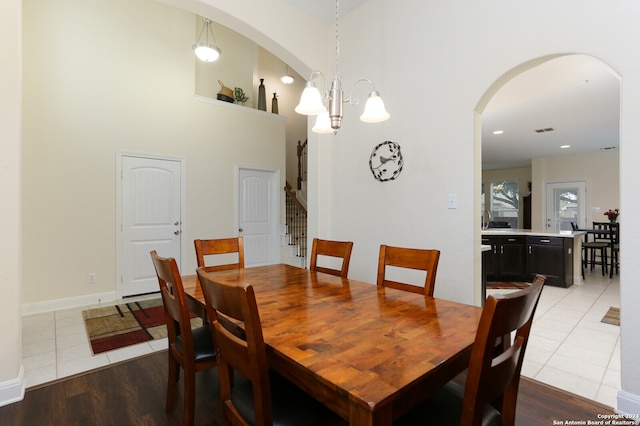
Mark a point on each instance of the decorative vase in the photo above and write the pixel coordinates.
(262, 100)
(613, 220)
(274, 104)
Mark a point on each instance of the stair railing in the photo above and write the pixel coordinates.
(296, 221)
(302, 163)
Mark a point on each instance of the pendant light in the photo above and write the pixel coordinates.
(287, 78)
(205, 51)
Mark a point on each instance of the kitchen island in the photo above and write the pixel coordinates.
(519, 254)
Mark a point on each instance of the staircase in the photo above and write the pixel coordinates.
(293, 238)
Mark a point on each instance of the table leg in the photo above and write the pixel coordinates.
(360, 416)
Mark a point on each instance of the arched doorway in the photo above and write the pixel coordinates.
(555, 121)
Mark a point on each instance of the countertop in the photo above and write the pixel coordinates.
(525, 232)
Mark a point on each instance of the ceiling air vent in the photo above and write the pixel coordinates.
(548, 129)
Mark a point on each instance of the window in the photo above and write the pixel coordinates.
(505, 202)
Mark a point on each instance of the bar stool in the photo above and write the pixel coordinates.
(601, 243)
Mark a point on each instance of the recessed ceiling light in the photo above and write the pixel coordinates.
(498, 132)
(565, 146)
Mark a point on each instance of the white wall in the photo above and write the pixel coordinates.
(134, 93)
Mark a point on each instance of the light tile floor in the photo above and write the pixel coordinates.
(568, 348)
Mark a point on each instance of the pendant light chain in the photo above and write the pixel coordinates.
(337, 75)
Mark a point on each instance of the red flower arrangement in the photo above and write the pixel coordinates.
(612, 214)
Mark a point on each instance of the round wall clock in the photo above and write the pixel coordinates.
(386, 161)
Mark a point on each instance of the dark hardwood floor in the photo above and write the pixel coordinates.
(133, 393)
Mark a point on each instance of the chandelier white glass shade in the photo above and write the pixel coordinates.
(323, 123)
(312, 102)
(374, 110)
(206, 51)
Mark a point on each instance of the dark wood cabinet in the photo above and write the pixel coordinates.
(552, 257)
(520, 257)
(507, 258)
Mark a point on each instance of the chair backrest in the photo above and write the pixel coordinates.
(240, 345)
(175, 303)
(493, 376)
(411, 258)
(605, 236)
(337, 249)
(615, 233)
(218, 247)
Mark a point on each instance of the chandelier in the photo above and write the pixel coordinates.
(329, 120)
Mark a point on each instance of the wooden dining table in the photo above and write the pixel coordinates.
(368, 353)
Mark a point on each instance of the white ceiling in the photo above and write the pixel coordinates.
(576, 95)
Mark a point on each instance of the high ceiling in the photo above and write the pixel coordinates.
(576, 96)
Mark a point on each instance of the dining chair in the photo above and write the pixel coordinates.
(221, 246)
(410, 258)
(600, 244)
(490, 392)
(191, 349)
(333, 249)
(265, 398)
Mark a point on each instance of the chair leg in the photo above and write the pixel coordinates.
(614, 263)
(189, 397)
(173, 377)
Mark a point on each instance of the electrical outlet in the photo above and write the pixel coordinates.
(92, 278)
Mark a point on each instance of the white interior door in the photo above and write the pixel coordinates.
(565, 204)
(258, 212)
(151, 200)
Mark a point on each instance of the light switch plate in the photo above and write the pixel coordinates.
(453, 201)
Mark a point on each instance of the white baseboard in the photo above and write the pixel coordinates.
(67, 303)
(12, 390)
(628, 404)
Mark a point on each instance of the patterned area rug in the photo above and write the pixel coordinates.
(612, 316)
(114, 327)
(507, 285)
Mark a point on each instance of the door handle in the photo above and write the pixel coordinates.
(176, 232)
(240, 229)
